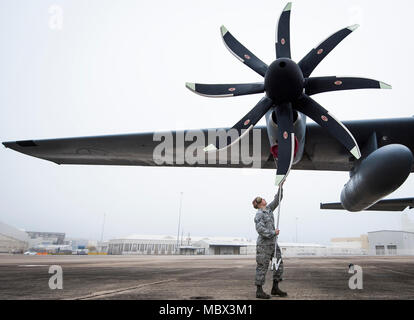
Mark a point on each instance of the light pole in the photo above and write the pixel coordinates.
(179, 222)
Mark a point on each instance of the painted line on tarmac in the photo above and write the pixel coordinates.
(395, 271)
(33, 265)
(307, 267)
(118, 291)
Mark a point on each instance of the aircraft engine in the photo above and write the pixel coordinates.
(299, 129)
(376, 176)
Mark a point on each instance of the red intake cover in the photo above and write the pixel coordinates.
(275, 149)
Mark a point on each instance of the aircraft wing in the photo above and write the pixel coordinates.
(126, 149)
(383, 205)
(321, 151)
(131, 149)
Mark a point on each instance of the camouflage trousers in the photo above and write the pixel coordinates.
(264, 255)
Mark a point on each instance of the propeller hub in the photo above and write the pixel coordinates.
(284, 81)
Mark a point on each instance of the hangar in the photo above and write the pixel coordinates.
(391, 242)
(220, 246)
(164, 244)
(167, 245)
(143, 244)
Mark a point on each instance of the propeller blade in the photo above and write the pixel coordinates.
(285, 141)
(283, 33)
(242, 53)
(316, 55)
(246, 123)
(225, 90)
(325, 84)
(325, 119)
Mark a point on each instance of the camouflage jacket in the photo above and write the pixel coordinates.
(265, 223)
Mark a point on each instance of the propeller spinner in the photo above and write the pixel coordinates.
(288, 86)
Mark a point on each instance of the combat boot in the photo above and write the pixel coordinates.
(260, 294)
(276, 291)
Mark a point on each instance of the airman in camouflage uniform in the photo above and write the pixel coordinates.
(265, 248)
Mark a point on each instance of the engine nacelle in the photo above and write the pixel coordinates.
(378, 175)
(299, 127)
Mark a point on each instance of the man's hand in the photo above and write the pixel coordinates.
(277, 231)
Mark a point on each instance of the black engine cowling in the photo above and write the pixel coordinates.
(378, 175)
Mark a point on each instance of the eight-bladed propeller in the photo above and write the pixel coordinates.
(288, 86)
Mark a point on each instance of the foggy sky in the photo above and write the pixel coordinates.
(120, 67)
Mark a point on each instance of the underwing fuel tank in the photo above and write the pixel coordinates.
(376, 176)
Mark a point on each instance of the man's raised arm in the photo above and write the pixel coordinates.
(273, 205)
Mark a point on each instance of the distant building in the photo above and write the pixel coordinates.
(167, 245)
(191, 250)
(349, 246)
(164, 244)
(143, 244)
(76, 243)
(102, 246)
(54, 238)
(228, 246)
(390, 242)
(12, 240)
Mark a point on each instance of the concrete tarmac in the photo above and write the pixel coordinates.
(200, 277)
